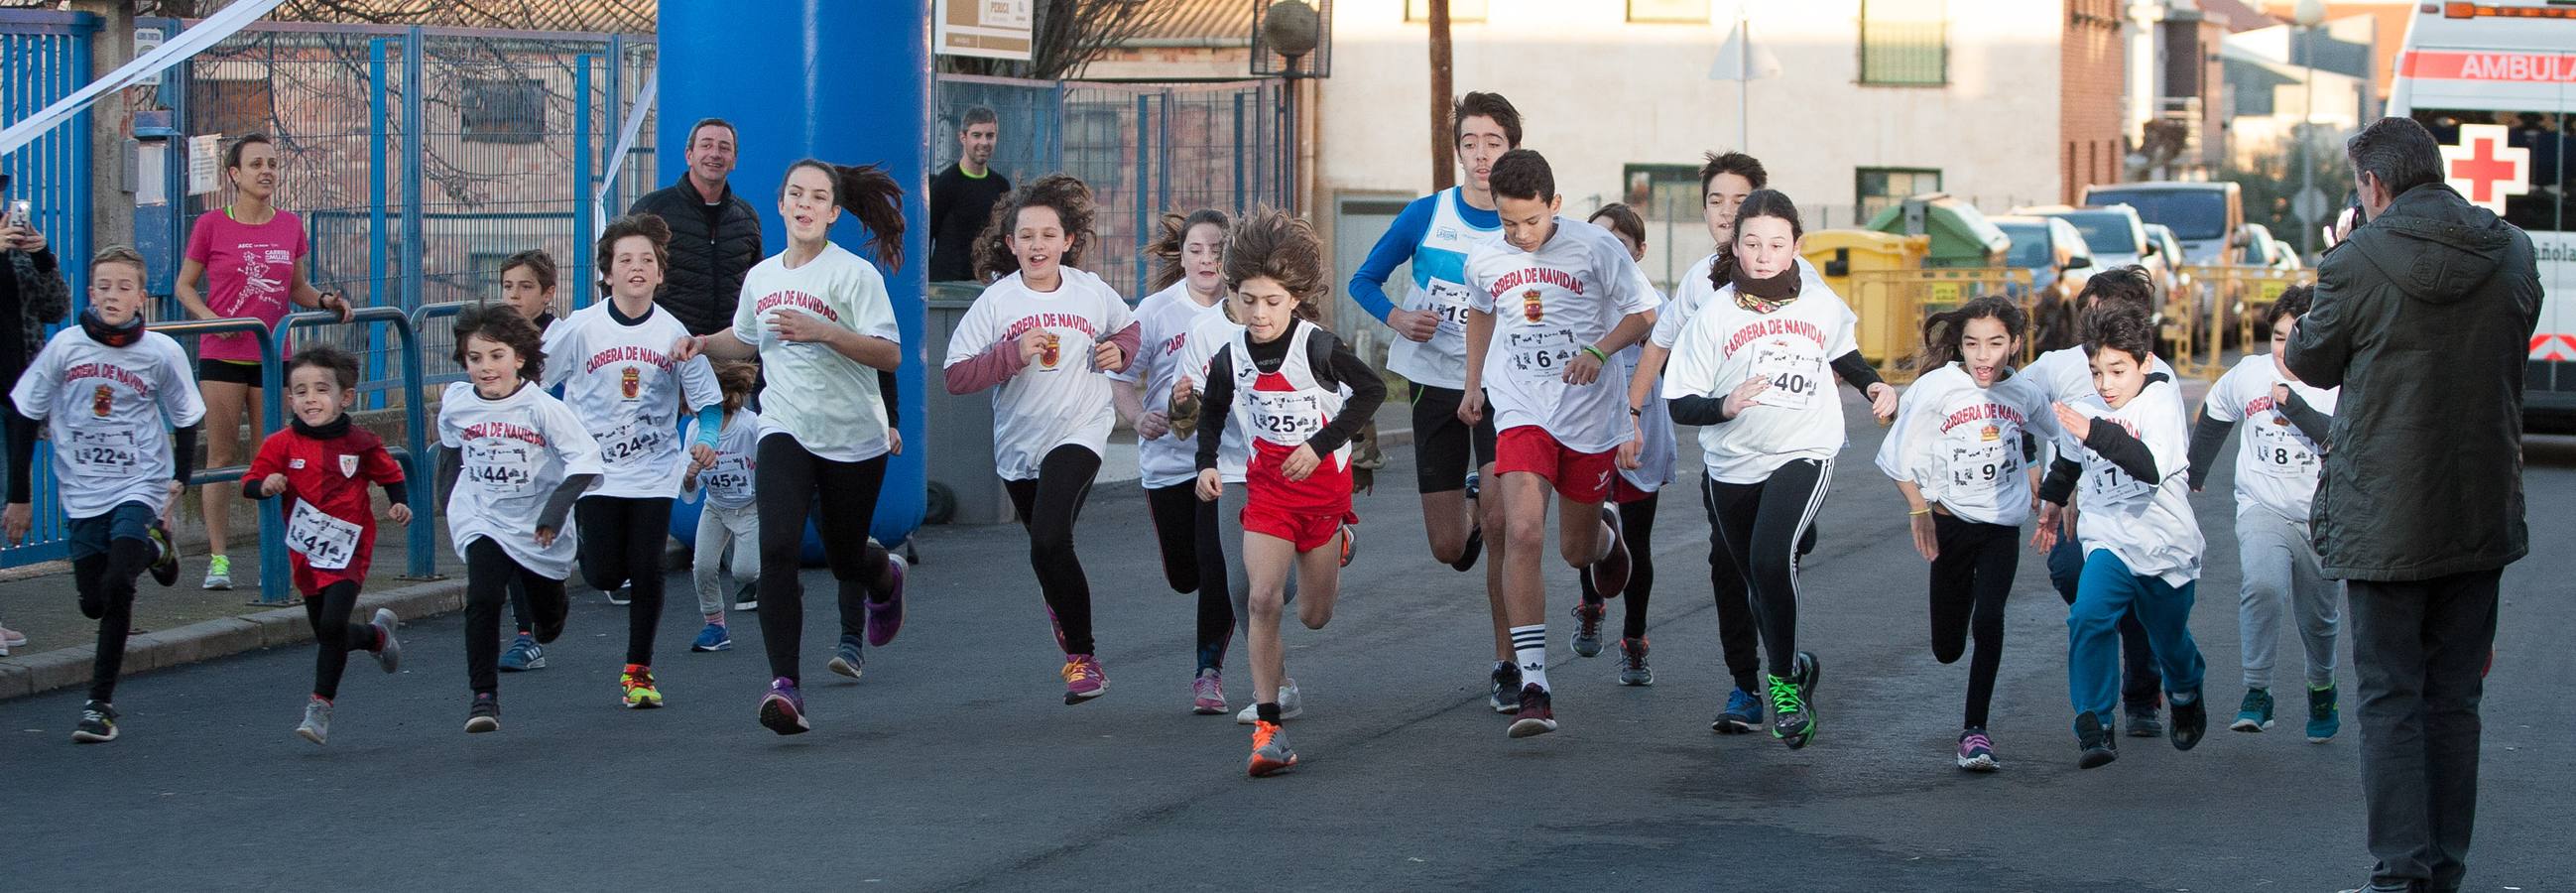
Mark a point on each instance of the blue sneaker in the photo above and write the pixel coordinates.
(2255, 714)
(846, 659)
(524, 654)
(714, 638)
(1742, 715)
(2324, 719)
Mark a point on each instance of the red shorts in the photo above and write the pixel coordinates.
(1622, 492)
(1307, 532)
(1582, 477)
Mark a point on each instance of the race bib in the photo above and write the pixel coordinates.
(1796, 375)
(107, 454)
(1981, 462)
(2106, 485)
(1452, 302)
(1287, 419)
(631, 441)
(2279, 451)
(324, 541)
(504, 469)
(1540, 356)
(729, 481)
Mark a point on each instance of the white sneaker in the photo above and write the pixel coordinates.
(219, 573)
(1291, 706)
(10, 638)
(620, 596)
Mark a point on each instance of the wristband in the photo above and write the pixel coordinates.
(1597, 354)
(1926, 510)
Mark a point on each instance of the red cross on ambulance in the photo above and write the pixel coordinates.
(2484, 168)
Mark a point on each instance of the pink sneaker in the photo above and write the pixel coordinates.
(1083, 679)
(1209, 692)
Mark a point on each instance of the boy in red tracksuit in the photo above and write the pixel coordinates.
(322, 465)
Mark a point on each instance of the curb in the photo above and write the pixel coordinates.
(222, 637)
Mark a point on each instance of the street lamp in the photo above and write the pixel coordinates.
(2308, 14)
(1291, 40)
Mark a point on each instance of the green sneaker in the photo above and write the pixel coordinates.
(2255, 714)
(219, 572)
(2324, 719)
(1793, 718)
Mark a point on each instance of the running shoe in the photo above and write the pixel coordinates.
(1270, 753)
(1291, 706)
(1475, 530)
(1350, 545)
(637, 682)
(1610, 574)
(782, 710)
(1536, 716)
(2255, 713)
(1632, 663)
(2144, 722)
(1742, 715)
(219, 573)
(1587, 628)
(747, 598)
(484, 715)
(2190, 721)
(524, 654)
(10, 638)
(2375, 888)
(1506, 687)
(715, 637)
(620, 596)
(317, 720)
(1793, 707)
(97, 723)
(2099, 745)
(885, 618)
(165, 561)
(388, 649)
(846, 658)
(1976, 752)
(2324, 719)
(1207, 694)
(1083, 679)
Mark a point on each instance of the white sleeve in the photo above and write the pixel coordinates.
(1119, 315)
(2168, 439)
(2225, 401)
(562, 344)
(1635, 292)
(573, 442)
(1676, 313)
(450, 434)
(1149, 341)
(1844, 339)
(871, 310)
(36, 387)
(1478, 299)
(698, 386)
(1904, 453)
(974, 333)
(1692, 372)
(180, 402)
(746, 310)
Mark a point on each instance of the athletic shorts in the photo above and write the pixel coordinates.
(228, 371)
(127, 521)
(1307, 532)
(1441, 443)
(1622, 492)
(1582, 477)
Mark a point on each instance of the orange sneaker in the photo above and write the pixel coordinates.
(1270, 753)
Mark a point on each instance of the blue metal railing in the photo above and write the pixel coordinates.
(414, 454)
(274, 585)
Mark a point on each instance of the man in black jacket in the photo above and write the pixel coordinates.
(2423, 317)
(715, 234)
(962, 197)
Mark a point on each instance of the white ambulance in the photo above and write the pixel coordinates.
(2496, 83)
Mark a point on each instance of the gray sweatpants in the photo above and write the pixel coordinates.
(2278, 561)
(718, 528)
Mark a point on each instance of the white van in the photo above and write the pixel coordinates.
(2207, 218)
(2496, 83)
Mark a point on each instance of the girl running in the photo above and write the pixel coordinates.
(1288, 375)
(1752, 367)
(825, 333)
(617, 363)
(1043, 337)
(1961, 455)
(730, 517)
(1190, 290)
(1645, 466)
(528, 286)
(511, 459)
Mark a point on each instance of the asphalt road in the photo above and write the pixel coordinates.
(954, 764)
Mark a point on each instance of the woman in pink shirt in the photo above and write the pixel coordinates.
(251, 256)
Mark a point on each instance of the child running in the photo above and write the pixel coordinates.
(528, 286)
(1190, 289)
(1752, 368)
(2286, 421)
(1288, 375)
(512, 459)
(616, 360)
(1044, 338)
(729, 516)
(122, 413)
(1645, 466)
(321, 464)
(1961, 454)
(2141, 543)
(1553, 299)
(826, 336)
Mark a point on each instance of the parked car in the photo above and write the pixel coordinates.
(2182, 294)
(2203, 216)
(2117, 237)
(2059, 261)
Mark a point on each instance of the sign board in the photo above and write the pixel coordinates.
(145, 41)
(205, 163)
(993, 29)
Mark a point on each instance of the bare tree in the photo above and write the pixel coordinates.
(1069, 34)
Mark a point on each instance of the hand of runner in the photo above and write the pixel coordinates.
(1210, 486)
(702, 456)
(1882, 402)
(1582, 368)
(1927, 541)
(800, 328)
(688, 348)
(1741, 399)
(1153, 424)
(1471, 406)
(1414, 325)
(176, 488)
(2281, 396)
(1630, 452)
(2077, 425)
(2045, 538)
(545, 537)
(1032, 343)
(894, 442)
(400, 513)
(16, 520)
(1183, 389)
(272, 485)
(1106, 357)
(1301, 463)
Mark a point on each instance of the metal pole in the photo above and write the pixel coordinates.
(415, 243)
(609, 122)
(1744, 81)
(1444, 160)
(2307, 161)
(376, 153)
(581, 214)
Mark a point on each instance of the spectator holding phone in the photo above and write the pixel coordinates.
(32, 296)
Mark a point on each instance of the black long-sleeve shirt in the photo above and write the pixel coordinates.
(1334, 366)
(2211, 433)
(1711, 409)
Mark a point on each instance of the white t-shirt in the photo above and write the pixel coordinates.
(825, 400)
(1961, 444)
(1054, 400)
(2067, 374)
(109, 411)
(1234, 452)
(1547, 306)
(1693, 290)
(1799, 417)
(619, 379)
(1167, 320)
(516, 451)
(729, 485)
(2148, 524)
(2276, 464)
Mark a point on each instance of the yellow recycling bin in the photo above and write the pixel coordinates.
(1839, 253)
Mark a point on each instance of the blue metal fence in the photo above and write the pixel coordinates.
(44, 56)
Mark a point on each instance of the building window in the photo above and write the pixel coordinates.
(509, 110)
(1459, 10)
(1877, 188)
(1668, 197)
(1904, 42)
(1692, 12)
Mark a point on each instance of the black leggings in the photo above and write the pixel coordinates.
(489, 573)
(106, 584)
(1736, 635)
(1048, 507)
(1194, 561)
(519, 612)
(328, 611)
(623, 539)
(1637, 529)
(1970, 582)
(1760, 525)
(841, 497)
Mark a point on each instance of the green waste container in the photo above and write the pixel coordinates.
(1961, 236)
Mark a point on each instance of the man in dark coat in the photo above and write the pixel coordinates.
(715, 234)
(2424, 318)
